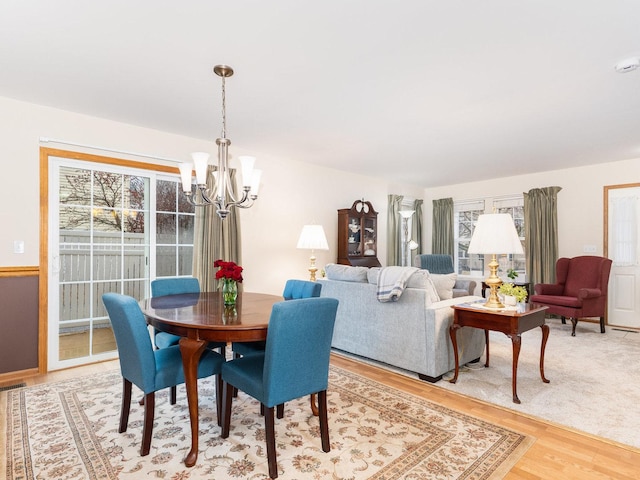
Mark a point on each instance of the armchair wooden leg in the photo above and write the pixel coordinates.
(226, 408)
(601, 324)
(324, 421)
(564, 320)
(126, 405)
(270, 430)
(147, 429)
(574, 322)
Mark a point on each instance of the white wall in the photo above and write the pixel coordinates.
(580, 202)
(292, 193)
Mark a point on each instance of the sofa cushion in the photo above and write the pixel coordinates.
(372, 275)
(346, 273)
(444, 284)
(422, 279)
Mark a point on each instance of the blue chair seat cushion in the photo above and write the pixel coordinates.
(246, 374)
(169, 369)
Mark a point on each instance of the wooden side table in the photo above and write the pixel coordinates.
(510, 322)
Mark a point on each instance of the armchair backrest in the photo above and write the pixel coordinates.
(137, 361)
(434, 262)
(174, 286)
(301, 289)
(298, 347)
(585, 271)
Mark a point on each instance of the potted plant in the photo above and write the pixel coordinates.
(512, 294)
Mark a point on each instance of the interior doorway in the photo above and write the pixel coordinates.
(622, 246)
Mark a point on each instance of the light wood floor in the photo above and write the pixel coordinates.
(558, 453)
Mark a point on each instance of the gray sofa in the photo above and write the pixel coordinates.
(411, 333)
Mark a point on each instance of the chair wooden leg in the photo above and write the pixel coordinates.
(601, 324)
(227, 394)
(219, 388)
(172, 395)
(147, 429)
(270, 431)
(126, 405)
(574, 322)
(314, 404)
(280, 411)
(324, 421)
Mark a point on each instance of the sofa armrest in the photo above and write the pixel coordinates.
(467, 285)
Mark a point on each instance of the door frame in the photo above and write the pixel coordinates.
(43, 284)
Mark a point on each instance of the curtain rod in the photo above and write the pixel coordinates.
(106, 149)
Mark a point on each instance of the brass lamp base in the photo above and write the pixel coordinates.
(312, 267)
(493, 282)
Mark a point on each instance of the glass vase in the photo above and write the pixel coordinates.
(229, 291)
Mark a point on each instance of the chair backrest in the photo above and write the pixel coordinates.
(587, 271)
(174, 286)
(137, 361)
(434, 262)
(301, 289)
(298, 347)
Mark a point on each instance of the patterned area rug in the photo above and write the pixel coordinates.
(68, 430)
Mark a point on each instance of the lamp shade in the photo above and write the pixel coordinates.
(495, 233)
(312, 237)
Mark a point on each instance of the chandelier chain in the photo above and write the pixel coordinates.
(224, 109)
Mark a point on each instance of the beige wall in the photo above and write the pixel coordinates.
(580, 202)
(293, 193)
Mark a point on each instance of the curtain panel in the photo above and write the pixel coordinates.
(416, 227)
(214, 238)
(394, 245)
(541, 231)
(442, 240)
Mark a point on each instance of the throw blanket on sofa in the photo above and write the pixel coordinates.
(392, 281)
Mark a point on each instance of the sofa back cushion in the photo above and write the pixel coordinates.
(444, 284)
(346, 273)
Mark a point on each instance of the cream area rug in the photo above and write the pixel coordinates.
(68, 430)
(594, 379)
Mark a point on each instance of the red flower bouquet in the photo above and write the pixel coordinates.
(228, 270)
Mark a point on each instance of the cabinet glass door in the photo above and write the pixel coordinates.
(369, 237)
(355, 236)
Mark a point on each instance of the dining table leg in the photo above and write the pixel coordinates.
(191, 351)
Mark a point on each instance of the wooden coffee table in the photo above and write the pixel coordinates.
(510, 322)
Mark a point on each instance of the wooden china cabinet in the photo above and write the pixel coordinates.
(358, 235)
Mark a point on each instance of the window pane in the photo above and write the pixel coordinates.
(165, 196)
(185, 260)
(165, 261)
(74, 224)
(107, 189)
(185, 229)
(165, 228)
(75, 186)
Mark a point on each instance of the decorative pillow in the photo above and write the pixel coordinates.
(346, 273)
(422, 279)
(372, 275)
(444, 284)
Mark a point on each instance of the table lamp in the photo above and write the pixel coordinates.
(313, 238)
(495, 234)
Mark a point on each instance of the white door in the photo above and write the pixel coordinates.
(622, 246)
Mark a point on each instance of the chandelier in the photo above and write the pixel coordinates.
(221, 195)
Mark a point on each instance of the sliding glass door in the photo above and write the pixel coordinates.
(110, 229)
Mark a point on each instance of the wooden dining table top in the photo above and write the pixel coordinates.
(204, 316)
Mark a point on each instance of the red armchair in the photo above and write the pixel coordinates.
(580, 290)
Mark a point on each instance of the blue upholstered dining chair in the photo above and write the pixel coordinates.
(295, 363)
(148, 369)
(171, 286)
(293, 289)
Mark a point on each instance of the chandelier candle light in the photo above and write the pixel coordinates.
(313, 238)
(495, 234)
(222, 197)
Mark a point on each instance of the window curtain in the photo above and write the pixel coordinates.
(442, 240)
(394, 244)
(416, 228)
(541, 232)
(214, 238)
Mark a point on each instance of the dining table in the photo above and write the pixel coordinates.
(200, 318)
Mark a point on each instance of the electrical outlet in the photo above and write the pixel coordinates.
(18, 246)
(589, 249)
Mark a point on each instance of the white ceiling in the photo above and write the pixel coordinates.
(418, 91)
